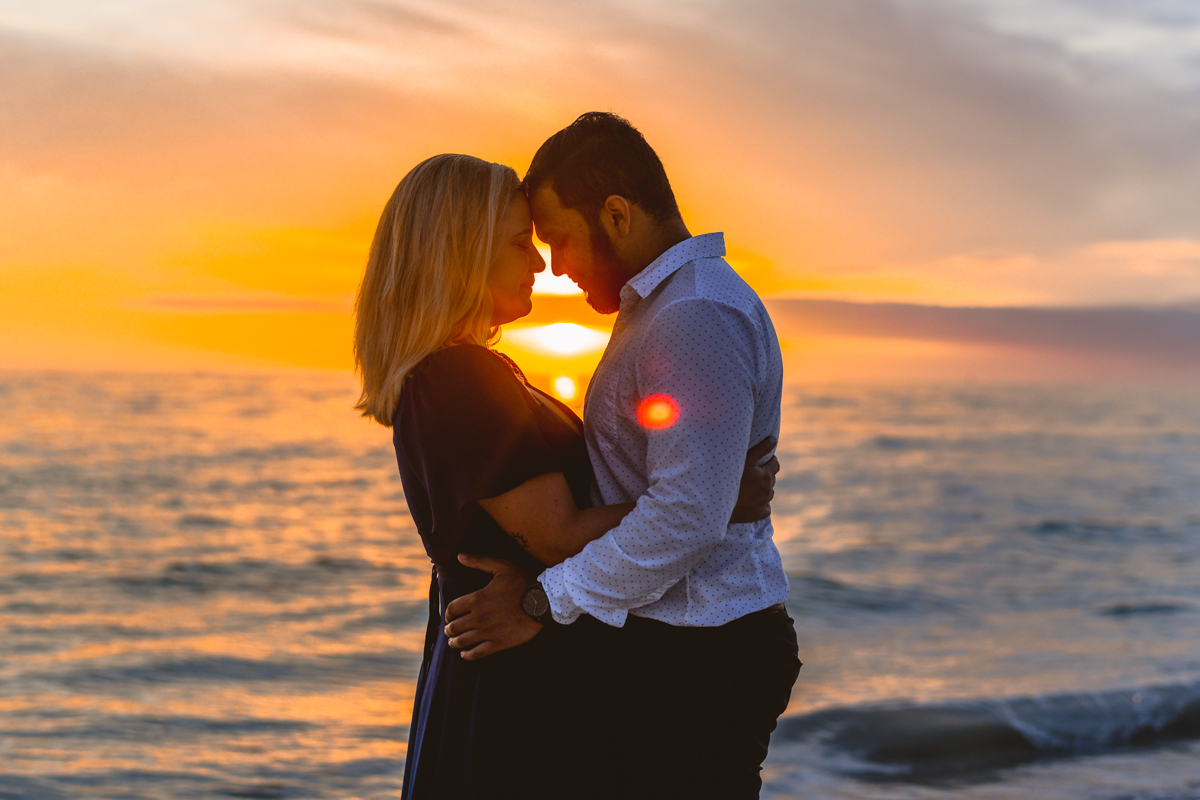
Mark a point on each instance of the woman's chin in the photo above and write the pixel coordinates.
(513, 314)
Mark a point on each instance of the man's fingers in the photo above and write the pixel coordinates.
(750, 513)
(465, 641)
(484, 563)
(759, 450)
(459, 607)
(479, 651)
(460, 625)
(772, 466)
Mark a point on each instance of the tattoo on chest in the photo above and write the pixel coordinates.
(519, 539)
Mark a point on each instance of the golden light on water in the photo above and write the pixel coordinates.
(565, 387)
(558, 356)
(559, 339)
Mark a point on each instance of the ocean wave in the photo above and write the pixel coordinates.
(345, 669)
(931, 743)
(138, 727)
(22, 787)
(1090, 529)
(883, 442)
(811, 591)
(1193, 793)
(1140, 609)
(202, 521)
(825, 401)
(257, 575)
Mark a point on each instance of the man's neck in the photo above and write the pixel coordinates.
(661, 239)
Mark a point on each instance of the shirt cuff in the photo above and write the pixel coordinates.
(563, 608)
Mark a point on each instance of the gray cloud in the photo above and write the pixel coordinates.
(1158, 341)
(967, 137)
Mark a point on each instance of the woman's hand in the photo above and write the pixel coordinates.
(758, 485)
(491, 619)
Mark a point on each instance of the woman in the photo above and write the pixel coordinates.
(453, 259)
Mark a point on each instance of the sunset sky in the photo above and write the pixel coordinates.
(194, 184)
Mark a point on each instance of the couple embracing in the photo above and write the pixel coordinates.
(606, 612)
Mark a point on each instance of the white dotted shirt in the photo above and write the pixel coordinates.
(691, 329)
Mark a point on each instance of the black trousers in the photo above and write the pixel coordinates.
(699, 705)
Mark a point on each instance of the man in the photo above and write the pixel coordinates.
(691, 377)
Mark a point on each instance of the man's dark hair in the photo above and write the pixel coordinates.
(599, 155)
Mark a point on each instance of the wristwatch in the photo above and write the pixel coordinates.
(535, 603)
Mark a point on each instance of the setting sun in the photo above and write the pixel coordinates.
(547, 282)
(559, 339)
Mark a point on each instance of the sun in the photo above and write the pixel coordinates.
(559, 339)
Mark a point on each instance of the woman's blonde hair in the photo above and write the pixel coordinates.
(426, 279)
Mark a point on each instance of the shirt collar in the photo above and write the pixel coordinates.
(708, 245)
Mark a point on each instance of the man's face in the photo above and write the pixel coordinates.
(580, 251)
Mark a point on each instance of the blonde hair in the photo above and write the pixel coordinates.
(425, 285)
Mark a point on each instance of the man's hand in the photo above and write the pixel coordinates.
(758, 485)
(491, 619)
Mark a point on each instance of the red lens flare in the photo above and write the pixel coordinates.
(658, 411)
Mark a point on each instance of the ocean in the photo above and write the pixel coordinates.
(210, 587)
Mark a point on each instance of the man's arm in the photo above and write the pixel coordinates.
(491, 619)
(708, 358)
(541, 516)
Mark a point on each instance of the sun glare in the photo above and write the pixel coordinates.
(565, 388)
(560, 339)
(547, 282)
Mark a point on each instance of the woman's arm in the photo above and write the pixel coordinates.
(491, 619)
(541, 516)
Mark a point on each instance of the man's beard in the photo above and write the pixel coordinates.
(608, 274)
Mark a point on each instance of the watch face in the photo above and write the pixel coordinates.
(535, 603)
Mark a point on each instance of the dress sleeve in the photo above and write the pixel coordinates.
(466, 424)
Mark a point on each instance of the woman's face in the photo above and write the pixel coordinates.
(515, 262)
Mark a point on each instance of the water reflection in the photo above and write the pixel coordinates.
(210, 585)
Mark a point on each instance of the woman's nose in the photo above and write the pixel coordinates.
(539, 263)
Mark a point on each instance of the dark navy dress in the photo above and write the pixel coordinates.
(518, 723)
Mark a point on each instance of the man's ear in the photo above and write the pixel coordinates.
(615, 217)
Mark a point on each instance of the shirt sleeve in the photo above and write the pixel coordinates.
(467, 427)
(704, 355)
